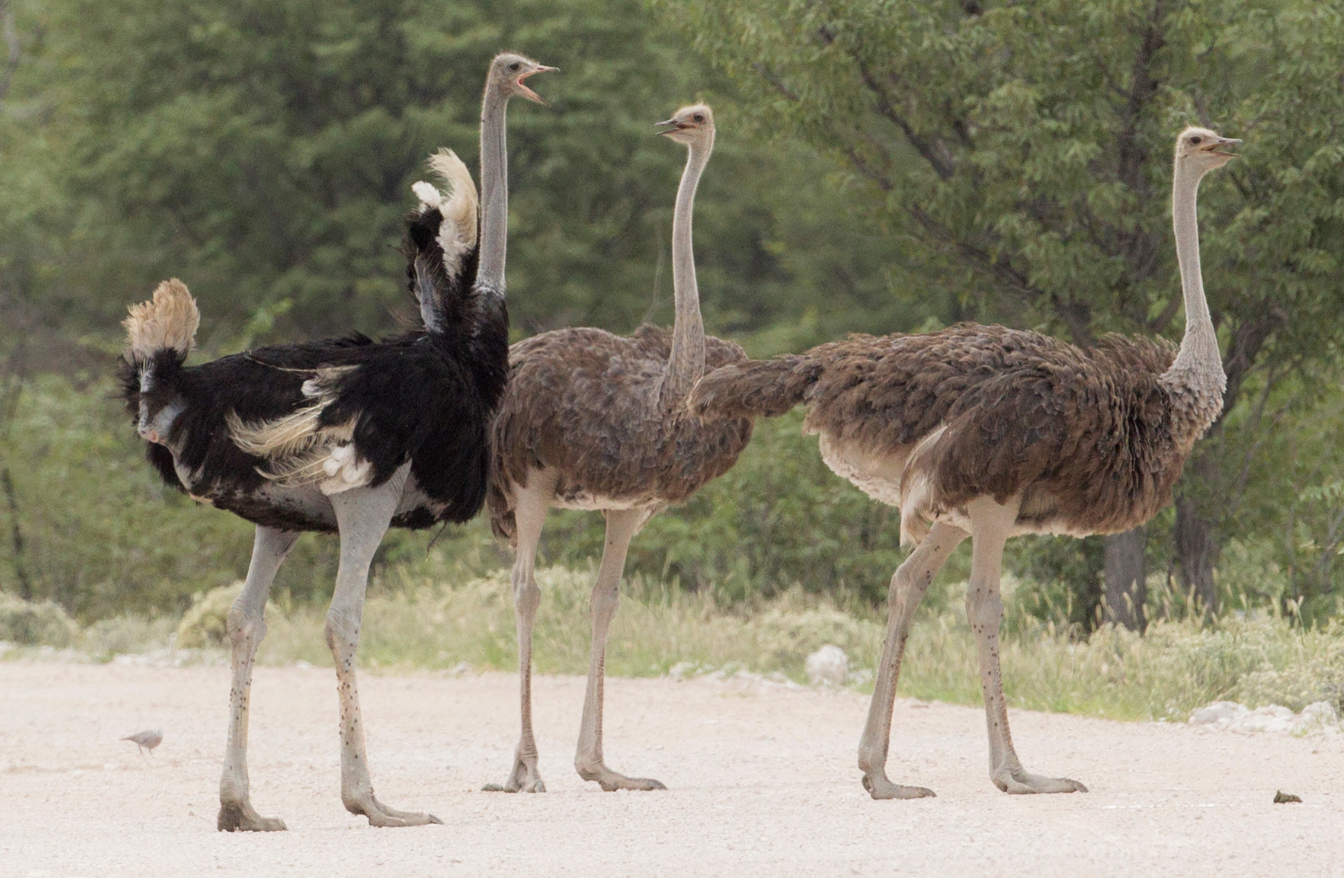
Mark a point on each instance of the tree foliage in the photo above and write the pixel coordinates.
(1023, 151)
(263, 152)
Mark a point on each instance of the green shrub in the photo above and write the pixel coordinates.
(788, 635)
(206, 623)
(35, 623)
(126, 634)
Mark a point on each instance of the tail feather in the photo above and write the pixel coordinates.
(159, 335)
(166, 323)
(442, 243)
(755, 388)
(457, 236)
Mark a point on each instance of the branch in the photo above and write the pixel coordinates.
(16, 535)
(11, 38)
(994, 266)
(1077, 316)
(1160, 323)
(1247, 340)
(775, 81)
(940, 166)
(1143, 87)
(861, 165)
(887, 108)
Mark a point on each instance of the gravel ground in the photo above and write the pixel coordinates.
(762, 781)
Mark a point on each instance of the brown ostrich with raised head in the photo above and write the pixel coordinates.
(597, 421)
(988, 432)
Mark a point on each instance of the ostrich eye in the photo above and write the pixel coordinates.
(515, 66)
(1194, 141)
(699, 117)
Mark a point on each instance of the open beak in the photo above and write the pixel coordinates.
(529, 93)
(1224, 147)
(673, 124)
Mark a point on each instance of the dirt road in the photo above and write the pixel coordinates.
(762, 782)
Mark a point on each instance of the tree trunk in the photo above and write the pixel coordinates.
(16, 535)
(1126, 586)
(1195, 534)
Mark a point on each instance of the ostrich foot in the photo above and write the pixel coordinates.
(383, 816)
(610, 780)
(1020, 782)
(879, 787)
(523, 779)
(242, 817)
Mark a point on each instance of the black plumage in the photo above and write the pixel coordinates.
(425, 396)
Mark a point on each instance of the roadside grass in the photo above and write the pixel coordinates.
(413, 622)
(433, 615)
(416, 619)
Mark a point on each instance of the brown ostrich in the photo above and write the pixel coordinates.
(988, 432)
(596, 421)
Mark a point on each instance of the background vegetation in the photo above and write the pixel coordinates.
(881, 167)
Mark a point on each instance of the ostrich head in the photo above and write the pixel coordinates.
(508, 71)
(691, 125)
(1203, 150)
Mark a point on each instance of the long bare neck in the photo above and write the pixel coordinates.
(494, 194)
(687, 362)
(1196, 379)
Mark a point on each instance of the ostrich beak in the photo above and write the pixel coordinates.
(1223, 147)
(529, 93)
(675, 126)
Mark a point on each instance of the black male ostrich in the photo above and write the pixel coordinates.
(348, 435)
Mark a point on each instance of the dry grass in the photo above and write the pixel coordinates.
(410, 623)
(436, 616)
(1176, 667)
(1166, 674)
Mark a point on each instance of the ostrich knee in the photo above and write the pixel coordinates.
(342, 634)
(526, 594)
(605, 602)
(907, 590)
(245, 630)
(984, 609)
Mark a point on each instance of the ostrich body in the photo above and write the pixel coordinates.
(988, 432)
(596, 421)
(348, 435)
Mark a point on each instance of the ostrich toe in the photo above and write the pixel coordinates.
(1019, 782)
(242, 817)
(879, 787)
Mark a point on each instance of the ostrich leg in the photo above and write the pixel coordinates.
(991, 525)
(529, 515)
(362, 517)
(908, 585)
(246, 629)
(622, 525)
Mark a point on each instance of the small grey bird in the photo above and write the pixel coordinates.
(146, 740)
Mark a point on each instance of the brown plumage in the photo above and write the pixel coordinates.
(1084, 435)
(988, 432)
(584, 404)
(594, 421)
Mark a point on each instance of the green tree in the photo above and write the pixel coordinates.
(1023, 151)
(263, 151)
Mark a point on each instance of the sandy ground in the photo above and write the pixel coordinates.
(762, 782)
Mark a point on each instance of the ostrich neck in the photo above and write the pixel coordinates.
(494, 194)
(687, 362)
(1195, 379)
